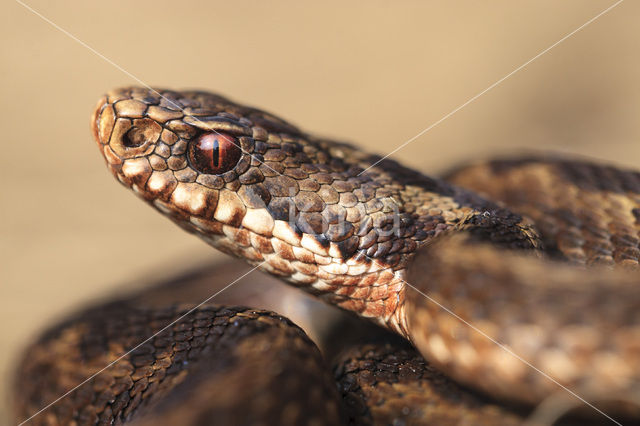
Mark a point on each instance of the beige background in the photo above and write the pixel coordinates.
(375, 74)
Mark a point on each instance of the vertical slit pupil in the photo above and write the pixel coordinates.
(213, 153)
(216, 152)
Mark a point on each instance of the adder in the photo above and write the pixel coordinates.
(515, 279)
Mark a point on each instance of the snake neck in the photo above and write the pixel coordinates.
(357, 257)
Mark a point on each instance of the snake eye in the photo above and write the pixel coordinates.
(214, 153)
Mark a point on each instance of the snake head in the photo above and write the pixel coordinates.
(224, 170)
(254, 186)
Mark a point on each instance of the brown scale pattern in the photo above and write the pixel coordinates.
(300, 204)
(579, 327)
(586, 213)
(301, 208)
(389, 383)
(214, 350)
(384, 384)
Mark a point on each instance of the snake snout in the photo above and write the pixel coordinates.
(121, 130)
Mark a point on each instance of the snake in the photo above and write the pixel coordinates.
(505, 285)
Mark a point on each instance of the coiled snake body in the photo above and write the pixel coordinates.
(516, 293)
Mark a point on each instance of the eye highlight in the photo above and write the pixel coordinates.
(214, 153)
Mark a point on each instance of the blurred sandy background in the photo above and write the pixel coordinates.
(375, 75)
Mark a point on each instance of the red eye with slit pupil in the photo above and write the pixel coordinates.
(214, 153)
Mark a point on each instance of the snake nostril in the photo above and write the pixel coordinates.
(133, 138)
